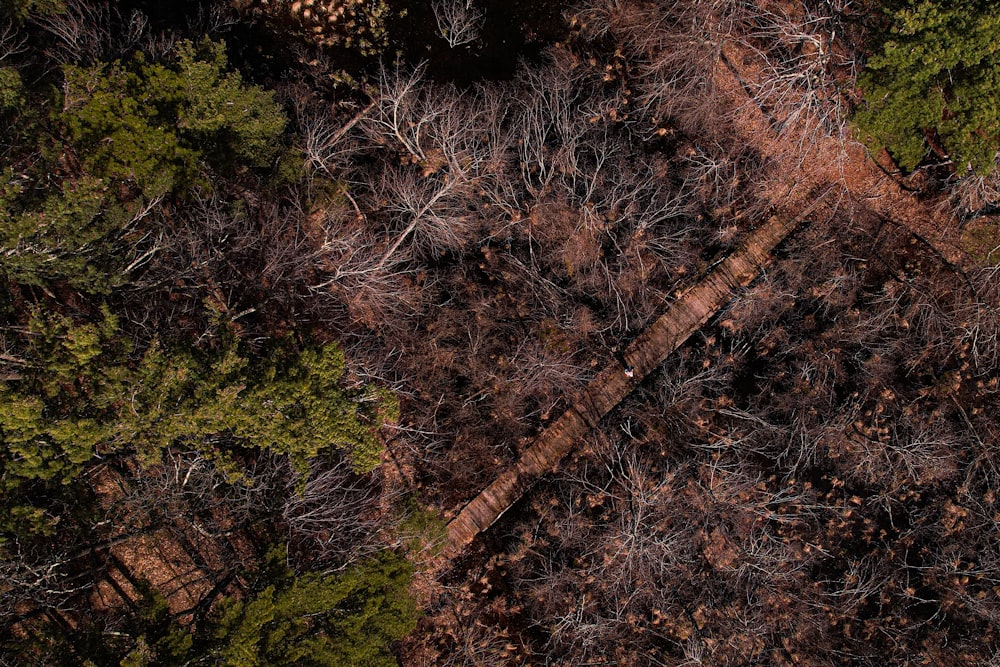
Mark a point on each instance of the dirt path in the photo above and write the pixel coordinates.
(807, 160)
(616, 381)
(804, 167)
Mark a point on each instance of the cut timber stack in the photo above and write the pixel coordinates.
(685, 316)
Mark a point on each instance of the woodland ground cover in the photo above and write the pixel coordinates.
(284, 285)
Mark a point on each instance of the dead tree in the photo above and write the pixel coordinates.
(329, 146)
(445, 139)
(333, 516)
(12, 42)
(974, 194)
(676, 47)
(87, 32)
(797, 65)
(549, 125)
(432, 212)
(349, 265)
(458, 21)
(32, 580)
(401, 113)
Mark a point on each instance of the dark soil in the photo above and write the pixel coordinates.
(513, 30)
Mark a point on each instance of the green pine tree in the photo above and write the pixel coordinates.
(153, 124)
(124, 133)
(320, 620)
(937, 71)
(18, 10)
(83, 396)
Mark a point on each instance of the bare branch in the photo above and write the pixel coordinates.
(458, 21)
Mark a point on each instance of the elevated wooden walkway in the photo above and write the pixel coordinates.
(685, 316)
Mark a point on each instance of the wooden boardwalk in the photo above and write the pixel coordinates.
(685, 316)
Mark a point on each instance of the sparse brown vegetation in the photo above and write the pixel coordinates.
(808, 479)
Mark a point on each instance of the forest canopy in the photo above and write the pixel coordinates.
(122, 361)
(932, 84)
(123, 134)
(80, 400)
(476, 332)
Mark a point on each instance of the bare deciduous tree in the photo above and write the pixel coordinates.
(974, 194)
(334, 515)
(351, 267)
(433, 212)
(88, 32)
(31, 578)
(12, 42)
(448, 142)
(402, 113)
(327, 146)
(458, 21)
(677, 47)
(796, 82)
(550, 124)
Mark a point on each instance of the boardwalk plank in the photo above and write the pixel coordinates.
(685, 316)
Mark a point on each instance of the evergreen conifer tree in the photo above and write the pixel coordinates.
(937, 74)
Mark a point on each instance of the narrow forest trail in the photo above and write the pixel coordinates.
(807, 156)
(617, 380)
(804, 167)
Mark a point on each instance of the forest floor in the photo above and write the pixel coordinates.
(824, 163)
(808, 160)
(805, 163)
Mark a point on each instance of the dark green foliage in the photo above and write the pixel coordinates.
(157, 634)
(18, 10)
(347, 619)
(10, 88)
(82, 397)
(65, 237)
(125, 134)
(937, 73)
(153, 123)
(113, 122)
(54, 418)
(101, 161)
(296, 407)
(316, 619)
